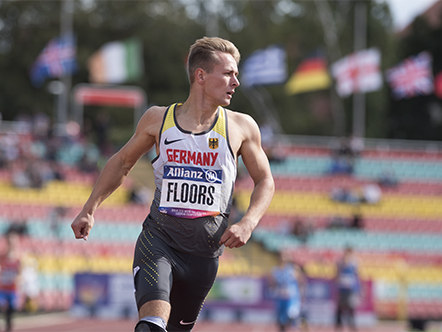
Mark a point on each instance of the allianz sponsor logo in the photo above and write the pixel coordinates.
(192, 173)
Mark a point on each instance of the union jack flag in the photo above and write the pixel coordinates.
(57, 59)
(412, 77)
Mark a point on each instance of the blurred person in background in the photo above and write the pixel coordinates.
(287, 286)
(29, 283)
(349, 289)
(177, 253)
(10, 267)
(302, 230)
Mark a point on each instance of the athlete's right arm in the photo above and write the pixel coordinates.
(117, 168)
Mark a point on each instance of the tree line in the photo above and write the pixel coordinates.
(168, 27)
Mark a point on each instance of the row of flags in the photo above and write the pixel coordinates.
(359, 72)
(115, 62)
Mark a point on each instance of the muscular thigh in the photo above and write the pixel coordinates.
(162, 273)
(190, 287)
(152, 270)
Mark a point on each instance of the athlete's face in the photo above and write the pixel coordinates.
(222, 81)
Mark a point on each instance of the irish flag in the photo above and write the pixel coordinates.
(116, 62)
(311, 75)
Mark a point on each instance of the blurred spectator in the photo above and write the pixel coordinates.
(337, 222)
(34, 171)
(343, 156)
(343, 195)
(357, 221)
(29, 283)
(19, 227)
(301, 230)
(140, 195)
(23, 122)
(51, 170)
(284, 227)
(371, 194)
(41, 125)
(10, 144)
(9, 278)
(275, 153)
(20, 177)
(38, 149)
(55, 218)
(53, 144)
(356, 146)
(339, 166)
(388, 179)
(344, 148)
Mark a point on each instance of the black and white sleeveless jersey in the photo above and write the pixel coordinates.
(194, 177)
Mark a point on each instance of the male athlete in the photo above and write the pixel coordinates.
(10, 267)
(349, 290)
(287, 283)
(197, 144)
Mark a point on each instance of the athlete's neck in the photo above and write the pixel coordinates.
(194, 117)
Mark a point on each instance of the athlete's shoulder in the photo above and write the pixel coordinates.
(156, 110)
(242, 123)
(154, 114)
(151, 120)
(240, 118)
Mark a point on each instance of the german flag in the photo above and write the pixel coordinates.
(311, 75)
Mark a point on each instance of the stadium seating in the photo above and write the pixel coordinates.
(401, 233)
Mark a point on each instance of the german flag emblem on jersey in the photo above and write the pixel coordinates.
(213, 143)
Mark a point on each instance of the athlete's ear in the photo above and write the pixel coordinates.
(200, 75)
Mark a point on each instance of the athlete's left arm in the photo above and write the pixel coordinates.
(257, 164)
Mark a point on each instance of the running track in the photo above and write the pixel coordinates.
(64, 323)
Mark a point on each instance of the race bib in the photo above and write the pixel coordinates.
(190, 192)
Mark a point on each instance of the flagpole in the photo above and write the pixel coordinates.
(334, 52)
(360, 43)
(66, 30)
(212, 24)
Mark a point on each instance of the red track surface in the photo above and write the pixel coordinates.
(64, 323)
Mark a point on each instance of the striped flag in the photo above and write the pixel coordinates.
(358, 72)
(56, 59)
(117, 62)
(311, 75)
(266, 66)
(412, 77)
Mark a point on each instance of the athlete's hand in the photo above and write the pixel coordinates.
(82, 225)
(235, 236)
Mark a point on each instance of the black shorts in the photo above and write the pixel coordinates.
(163, 273)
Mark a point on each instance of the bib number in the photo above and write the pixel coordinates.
(190, 192)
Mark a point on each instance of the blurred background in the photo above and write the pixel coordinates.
(348, 96)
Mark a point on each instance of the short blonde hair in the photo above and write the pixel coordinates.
(202, 54)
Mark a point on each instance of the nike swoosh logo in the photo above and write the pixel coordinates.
(185, 323)
(172, 141)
